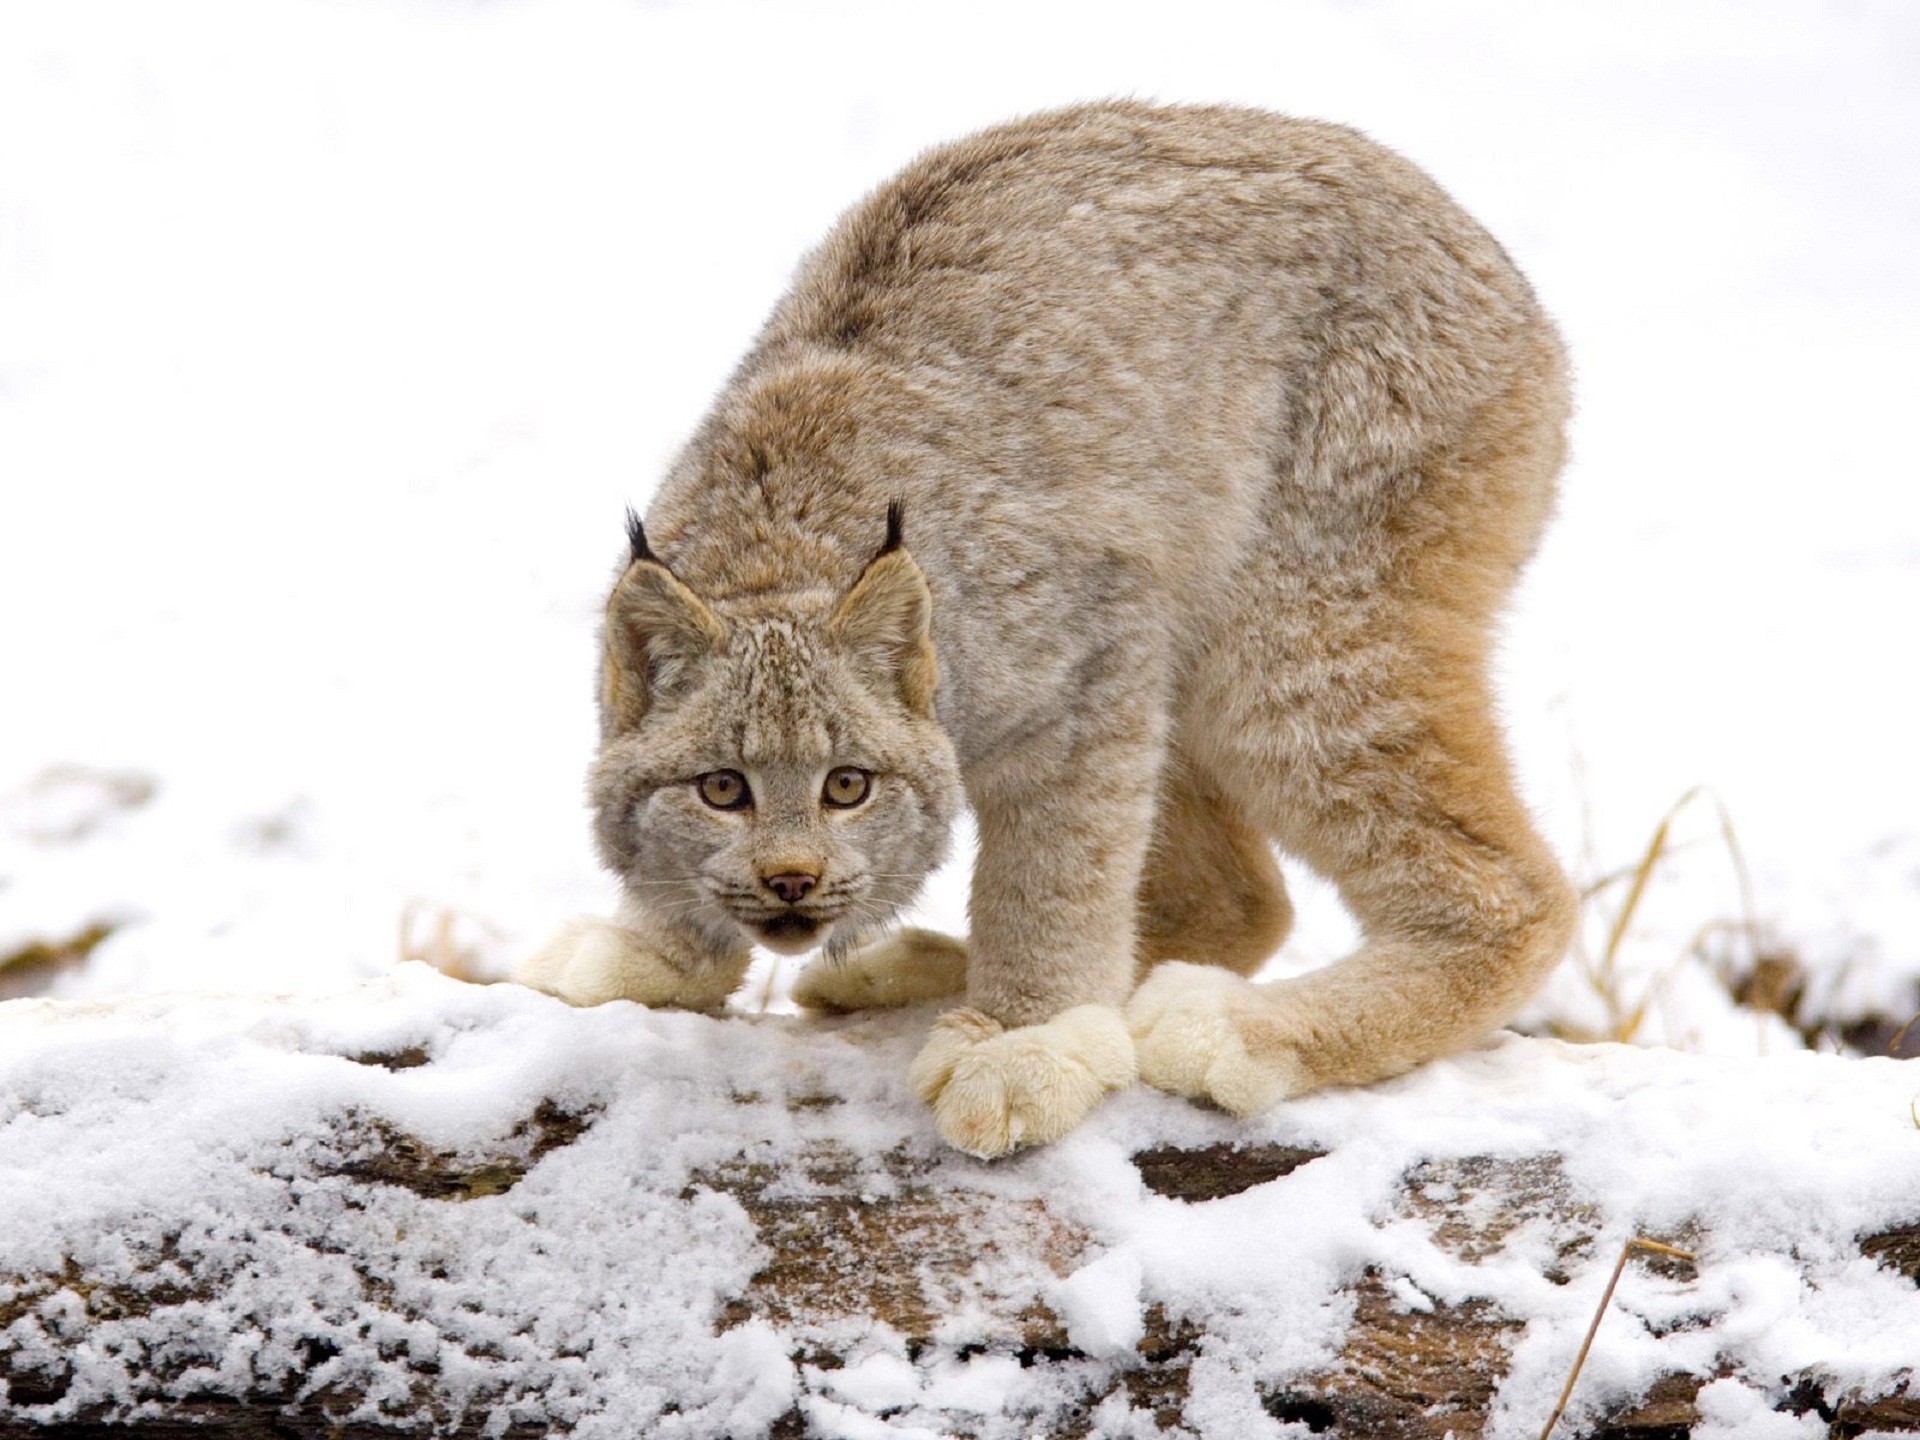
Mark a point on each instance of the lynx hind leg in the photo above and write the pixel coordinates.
(1208, 1034)
(1212, 895)
(1352, 718)
(1461, 906)
(1211, 892)
(906, 968)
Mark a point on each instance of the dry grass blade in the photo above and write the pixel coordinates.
(32, 969)
(432, 934)
(1900, 1036)
(1606, 975)
(1640, 1243)
(1594, 889)
(1642, 873)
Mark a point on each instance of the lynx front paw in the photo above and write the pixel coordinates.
(903, 969)
(592, 961)
(993, 1089)
(1205, 1033)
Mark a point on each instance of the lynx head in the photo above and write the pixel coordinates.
(772, 769)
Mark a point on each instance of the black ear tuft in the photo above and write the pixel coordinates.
(637, 538)
(896, 519)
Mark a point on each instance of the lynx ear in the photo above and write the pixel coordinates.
(656, 629)
(886, 623)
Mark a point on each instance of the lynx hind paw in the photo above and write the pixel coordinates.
(903, 969)
(590, 962)
(993, 1090)
(1209, 1035)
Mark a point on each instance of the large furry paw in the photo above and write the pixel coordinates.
(994, 1089)
(593, 961)
(903, 969)
(1207, 1034)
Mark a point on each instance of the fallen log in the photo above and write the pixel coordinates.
(825, 1262)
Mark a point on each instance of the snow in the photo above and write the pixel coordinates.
(208, 1130)
(337, 337)
(1730, 1410)
(880, 1383)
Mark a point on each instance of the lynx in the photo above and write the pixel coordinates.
(1150, 479)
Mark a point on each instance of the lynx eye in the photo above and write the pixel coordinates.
(724, 789)
(846, 787)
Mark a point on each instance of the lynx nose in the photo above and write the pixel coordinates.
(791, 887)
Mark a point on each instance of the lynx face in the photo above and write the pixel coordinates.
(773, 771)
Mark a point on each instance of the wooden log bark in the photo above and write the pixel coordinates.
(847, 1242)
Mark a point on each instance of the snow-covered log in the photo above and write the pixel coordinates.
(437, 1208)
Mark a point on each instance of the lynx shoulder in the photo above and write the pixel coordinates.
(1150, 478)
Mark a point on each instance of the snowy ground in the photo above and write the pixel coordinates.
(167, 1145)
(335, 336)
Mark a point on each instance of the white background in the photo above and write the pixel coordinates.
(335, 337)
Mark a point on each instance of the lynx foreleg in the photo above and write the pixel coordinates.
(1052, 950)
(905, 968)
(639, 958)
(994, 1089)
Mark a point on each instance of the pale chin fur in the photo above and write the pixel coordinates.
(789, 942)
(835, 937)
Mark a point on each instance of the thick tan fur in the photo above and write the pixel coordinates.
(1221, 438)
